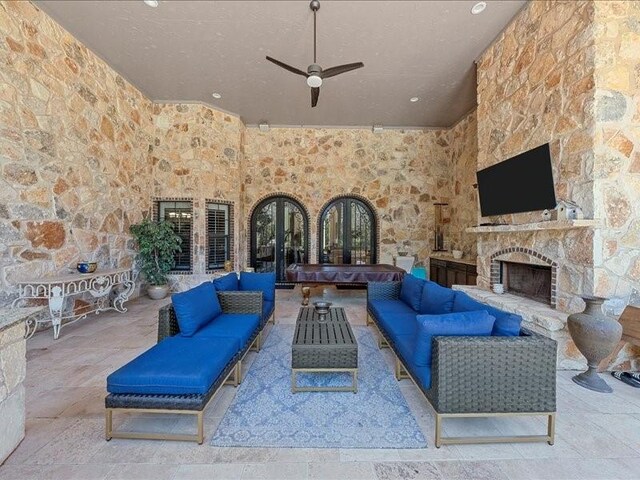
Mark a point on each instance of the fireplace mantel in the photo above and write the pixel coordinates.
(529, 227)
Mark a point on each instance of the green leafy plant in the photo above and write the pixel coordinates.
(157, 244)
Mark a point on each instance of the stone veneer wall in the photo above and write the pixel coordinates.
(617, 149)
(568, 73)
(197, 154)
(463, 141)
(74, 137)
(535, 85)
(84, 154)
(401, 173)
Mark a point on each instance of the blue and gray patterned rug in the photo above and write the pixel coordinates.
(264, 412)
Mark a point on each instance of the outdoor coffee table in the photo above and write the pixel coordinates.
(324, 348)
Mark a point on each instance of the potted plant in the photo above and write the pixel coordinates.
(157, 244)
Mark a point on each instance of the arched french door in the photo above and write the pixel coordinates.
(279, 235)
(347, 232)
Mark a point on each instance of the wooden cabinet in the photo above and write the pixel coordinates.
(449, 272)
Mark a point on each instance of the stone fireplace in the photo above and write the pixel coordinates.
(545, 267)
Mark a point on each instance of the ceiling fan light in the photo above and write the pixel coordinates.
(314, 81)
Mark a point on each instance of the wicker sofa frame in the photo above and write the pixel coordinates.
(482, 376)
(186, 404)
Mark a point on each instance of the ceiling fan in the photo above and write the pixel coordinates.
(314, 74)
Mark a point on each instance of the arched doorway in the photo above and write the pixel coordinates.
(347, 232)
(279, 235)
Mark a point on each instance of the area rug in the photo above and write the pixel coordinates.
(264, 412)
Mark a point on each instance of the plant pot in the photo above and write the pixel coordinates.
(595, 335)
(158, 292)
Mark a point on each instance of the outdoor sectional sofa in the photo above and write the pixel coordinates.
(469, 359)
(203, 336)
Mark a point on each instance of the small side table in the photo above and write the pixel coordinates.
(57, 288)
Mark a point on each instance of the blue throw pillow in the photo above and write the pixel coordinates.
(253, 282)
(228, 283)
(411, 291)
(506, 325)
(436, 299)
(195, 308)
(450, 324)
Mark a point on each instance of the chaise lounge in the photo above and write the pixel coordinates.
(467, 358)
(203, 337)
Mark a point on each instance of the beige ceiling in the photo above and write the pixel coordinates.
(185, 50)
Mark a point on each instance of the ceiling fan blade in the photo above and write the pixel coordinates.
(315, 93)
(333, 71)
(287, 67)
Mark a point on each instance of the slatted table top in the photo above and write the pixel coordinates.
(334, 332)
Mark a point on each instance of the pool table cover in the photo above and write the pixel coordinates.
(343, 274)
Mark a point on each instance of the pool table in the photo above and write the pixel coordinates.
(316, 274)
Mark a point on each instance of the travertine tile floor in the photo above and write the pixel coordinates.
(598, 436)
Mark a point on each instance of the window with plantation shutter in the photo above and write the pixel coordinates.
(219, 234)
(180, 214)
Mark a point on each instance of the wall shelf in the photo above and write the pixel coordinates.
(530, 227)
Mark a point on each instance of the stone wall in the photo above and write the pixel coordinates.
(536, 85)
(617, 156)
(463, 141)
(617, 147)
(401, 173)
(197, 154)
(567, 73)
(74, 138)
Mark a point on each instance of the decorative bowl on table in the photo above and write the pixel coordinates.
(322, 308)
(87, 267)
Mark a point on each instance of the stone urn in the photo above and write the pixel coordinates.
(595, 335)
(157, 292)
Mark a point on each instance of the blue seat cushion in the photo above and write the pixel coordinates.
(238, 327)
(397, 325)
(478, 323)
(411, 291)
(267, 310)
(196, 307)
(228, 283)
(382, 308)
(421, 374)
(506, 324)
(265, 282)
(175, 366)
(436, 299)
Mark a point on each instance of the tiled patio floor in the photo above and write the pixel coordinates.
(598, 436)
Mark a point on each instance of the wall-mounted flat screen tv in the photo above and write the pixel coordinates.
(523, 183)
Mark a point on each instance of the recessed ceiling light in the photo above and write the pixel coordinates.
(414, 99)
(478, 8)
(216, 95)
(151, 3)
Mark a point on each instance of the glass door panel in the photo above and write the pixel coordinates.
(265, 251)
(360, 234)
(332, 247)
(295, 249)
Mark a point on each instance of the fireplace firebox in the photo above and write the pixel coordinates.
(527, 280)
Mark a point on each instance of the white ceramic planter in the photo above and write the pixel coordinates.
(158, 292)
